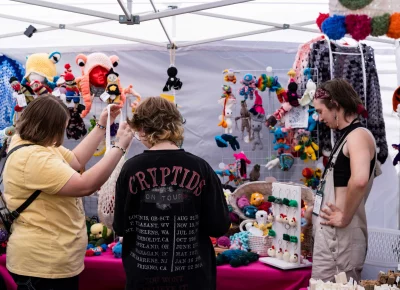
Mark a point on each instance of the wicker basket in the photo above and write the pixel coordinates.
(265, 188)
(258, 245)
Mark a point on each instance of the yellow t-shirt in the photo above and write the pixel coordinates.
(49, 238)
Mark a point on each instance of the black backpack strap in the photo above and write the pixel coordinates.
(31, 198)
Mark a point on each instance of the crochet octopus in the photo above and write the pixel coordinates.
(93, 82)
(249, 83)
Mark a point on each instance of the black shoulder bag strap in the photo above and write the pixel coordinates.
(15, 214)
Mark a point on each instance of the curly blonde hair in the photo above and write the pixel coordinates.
(159, 119)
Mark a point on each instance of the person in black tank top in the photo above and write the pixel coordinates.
(340, 108)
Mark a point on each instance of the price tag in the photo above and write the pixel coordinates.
(104, 96)
(351, 281)
(21, 101)
(317, 204)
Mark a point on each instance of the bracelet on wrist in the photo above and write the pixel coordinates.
(122, 149)
(100, 126)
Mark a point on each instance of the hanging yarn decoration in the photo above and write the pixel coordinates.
(358, 26)
(394, 27)
(321, 18)
(273, 85)
(355, 4)
(9, 68)
(380, 24)
(335, 27)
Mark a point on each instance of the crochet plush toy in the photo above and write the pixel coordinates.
(249, 83)
(42, 67)
(112, 88)
(236, 258)
(229, 76)
(76, 128)
(245, 119)
(281, 112)
(173, 82)
(72, 92)
(280, 139)
(226, 139)
(258, 105)
(312, 120)
(255, 173)
(39, 89)
(256, 127)
(311, 178)
(292, 97)
(308, 95)
(22, 89)
(396, 159)
(241, 164)
(100, 234)
(226, 101)
(306, 147)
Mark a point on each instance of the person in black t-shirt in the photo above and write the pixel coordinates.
(168, 203)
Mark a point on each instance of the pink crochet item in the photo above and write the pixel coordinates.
(242, 202)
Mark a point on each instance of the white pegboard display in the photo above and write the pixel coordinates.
(383, 248)
(263, 156)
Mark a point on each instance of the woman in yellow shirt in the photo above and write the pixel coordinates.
(47, 247)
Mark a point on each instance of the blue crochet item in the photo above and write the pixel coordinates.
(335, 27)
(240, 241)
(117, 250)
(8, 68)
(236, 258)
(250, 211)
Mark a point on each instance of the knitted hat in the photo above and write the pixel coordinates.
(93, 60)
(69, 77)
(42, 64)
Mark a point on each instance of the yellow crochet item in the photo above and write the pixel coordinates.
(301, 237)
(42, 64)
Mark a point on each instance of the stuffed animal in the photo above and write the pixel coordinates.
(226, 139)
(245, 119)
(250, 211)
(256, 127)
(312, 119)
(279, 254)
(117, 250)
(173, 82)
(249, 83)
(280, 139)
(258, 106)
(92, 250)
(41, 67)
(306, 147)
(99, 234)
(256, 198)
(396, 99)
(271, 251)
(262, 222)
(281, 112)
(223, 242)
(294, 258)
(229, 76)
(226, 121)
(22, 89)
(309, 93)
(236, 258)
(72, 92)
(38, 88)
(241, 164)
(255, 173)
(242, 202)
(311, 178)
(271, 122)
(292, 97)
(396, 159)
(112, 88)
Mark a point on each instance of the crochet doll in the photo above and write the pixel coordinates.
(22, 89)
(241, 164)
(173, 82)
(280, 139)
(249, 83)
(245, 118)
(229, 76)
(112, 87)
(39, 88)
(76, 128)
(71, 89)
(256, 126)
(292, 97)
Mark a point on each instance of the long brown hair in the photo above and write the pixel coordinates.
(159, 119)
(338, 93)
(44, 121)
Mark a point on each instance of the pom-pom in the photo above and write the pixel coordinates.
(321, 18)
(243, 201)
(380, 24)
(355, 4)
(89, 253)
(394, 27)
(223, 242)
(264, 206)
(335, 27)
(358, 26)
(67, 66)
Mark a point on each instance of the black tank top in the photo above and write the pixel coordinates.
(342, 171)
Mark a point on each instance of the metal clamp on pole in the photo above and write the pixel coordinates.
(286, 26)
(133, 19)
(172, 46)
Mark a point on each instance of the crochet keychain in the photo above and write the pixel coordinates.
(245, 119)
(173, 81)
(249, 83)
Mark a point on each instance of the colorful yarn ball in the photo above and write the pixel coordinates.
(335, 27)
(380, 24)
(321, 18)
(355, 4)
(358, 26)
(262, 82)
(394, 27)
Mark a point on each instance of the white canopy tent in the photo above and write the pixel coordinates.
(96, 27)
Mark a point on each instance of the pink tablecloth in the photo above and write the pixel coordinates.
(106, 273)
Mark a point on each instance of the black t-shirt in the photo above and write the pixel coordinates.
(168, 203)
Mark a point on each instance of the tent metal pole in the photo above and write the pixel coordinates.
(190, 9)
(126, 12)
(72, 9)
(161, 22)
(129, 6)
(19, 33)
